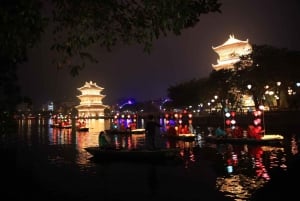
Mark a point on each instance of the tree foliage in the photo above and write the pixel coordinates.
(81, 24)
(186, 93)
(270, 65)
(21, 25)
(265, 66)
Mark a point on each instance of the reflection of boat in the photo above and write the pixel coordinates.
(137, 155)
(127, 131)
(266, 139)
(184, 137)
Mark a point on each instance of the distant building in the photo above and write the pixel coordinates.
(50, 106)
(91, 104)
(230, 52)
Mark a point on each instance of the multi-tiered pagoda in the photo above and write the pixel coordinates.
(91, 104)
(230, 52)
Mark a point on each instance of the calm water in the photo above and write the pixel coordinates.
(53, 165)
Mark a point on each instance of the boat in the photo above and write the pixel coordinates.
(82, 129)
(183, 137)
(272, 139)
(138, 131)
(61, 126)
(126, 132)
(81, 126)
(137, 155)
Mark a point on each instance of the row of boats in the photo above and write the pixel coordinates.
(163, 153)
(169, 154)
(265, 139)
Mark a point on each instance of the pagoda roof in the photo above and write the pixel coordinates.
(92, 95)
(231, 42)
(93, 106)
(89, 85)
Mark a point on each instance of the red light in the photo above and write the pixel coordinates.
(227, 122)
(232, 114)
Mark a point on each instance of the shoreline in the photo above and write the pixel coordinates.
(274, 121)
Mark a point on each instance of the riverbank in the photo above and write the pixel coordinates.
(274, 121)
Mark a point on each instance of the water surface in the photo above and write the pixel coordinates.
(53, 165)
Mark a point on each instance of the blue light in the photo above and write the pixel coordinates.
(229, 169)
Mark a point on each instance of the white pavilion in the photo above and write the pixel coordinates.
(230, 52)
(91, 104)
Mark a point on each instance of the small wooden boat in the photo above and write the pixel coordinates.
(137, 155)
(273, 139)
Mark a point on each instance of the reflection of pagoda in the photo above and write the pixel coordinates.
(90, 101)
(230, 52)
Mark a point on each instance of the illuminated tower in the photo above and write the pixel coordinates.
(230, 52)
(91, 101)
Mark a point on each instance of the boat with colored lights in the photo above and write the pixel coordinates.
(60, 126)
(274, 139)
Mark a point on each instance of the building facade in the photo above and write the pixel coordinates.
(91, 104)
(229, 53)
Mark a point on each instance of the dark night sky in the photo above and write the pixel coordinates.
(128, 72)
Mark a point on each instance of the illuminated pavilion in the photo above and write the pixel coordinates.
(230, 52)
(91, 104)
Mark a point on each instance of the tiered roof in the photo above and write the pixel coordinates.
(230, 52)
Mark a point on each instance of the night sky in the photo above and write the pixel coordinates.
(127, 72)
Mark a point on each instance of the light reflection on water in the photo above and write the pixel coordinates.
(246, 168)
(240, 170)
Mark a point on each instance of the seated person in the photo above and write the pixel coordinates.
(238, 132)
(254, 132)
(104, 140)
(219, 132)
(171, 131)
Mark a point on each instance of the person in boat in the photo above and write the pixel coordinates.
(220, 132)
(171, 131)
(237, 132)
(255, 132)
(191, 128)
(150, 130)
(104, 140)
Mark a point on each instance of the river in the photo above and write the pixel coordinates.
(53, 165)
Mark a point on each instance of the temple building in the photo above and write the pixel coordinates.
(91, 104)
(230, 52)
